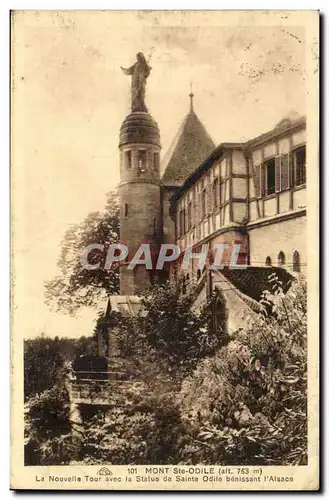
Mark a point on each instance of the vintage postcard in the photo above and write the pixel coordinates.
(165, 285)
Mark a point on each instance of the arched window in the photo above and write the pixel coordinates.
(126, 209)
(268, 261)
(281, 259)
(296, 262)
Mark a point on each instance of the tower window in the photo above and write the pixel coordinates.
(156, 161)
(128, 159)
(126, 210)
(268, 261)
(142, 160)
(281, 259)
(269, 176)
(296, 262)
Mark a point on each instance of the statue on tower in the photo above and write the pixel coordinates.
(139, 72)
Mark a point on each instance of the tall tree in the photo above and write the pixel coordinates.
(44, 363)
(76, 286)
(46, 360)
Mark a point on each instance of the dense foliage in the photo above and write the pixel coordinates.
(167, 334)
(248, 403)
(48, 424)
(143, 427)
(48, 436)
(77, 287)
(190, 397)
(46, 359)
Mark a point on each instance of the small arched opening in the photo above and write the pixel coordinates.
(268, 261)
(296, 262)
(281, 259)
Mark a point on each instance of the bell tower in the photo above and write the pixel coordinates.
(139, 188)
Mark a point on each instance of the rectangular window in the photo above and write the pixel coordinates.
(222, 191)
(180, 232)
(203, 204)
(142, 160)
(128, 159)
(215, 194)
(189, 216)
(300, 166)
(269, 170)
(194, 210)
(182, 222)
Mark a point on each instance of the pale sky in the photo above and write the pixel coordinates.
(70, 98)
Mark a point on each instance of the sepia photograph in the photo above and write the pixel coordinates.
(164, 249)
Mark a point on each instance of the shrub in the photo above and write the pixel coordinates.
(167, 334)
(248, 404)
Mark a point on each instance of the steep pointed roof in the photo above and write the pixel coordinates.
(191, 146)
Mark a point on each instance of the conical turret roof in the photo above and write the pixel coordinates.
(191, 146)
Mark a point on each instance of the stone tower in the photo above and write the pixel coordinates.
(139, 188)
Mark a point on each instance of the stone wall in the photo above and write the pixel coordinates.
(140, 223)
(238, 311)
(285, 236)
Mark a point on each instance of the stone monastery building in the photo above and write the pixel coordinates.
(252, 194)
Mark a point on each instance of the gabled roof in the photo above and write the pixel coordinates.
(191, 146)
